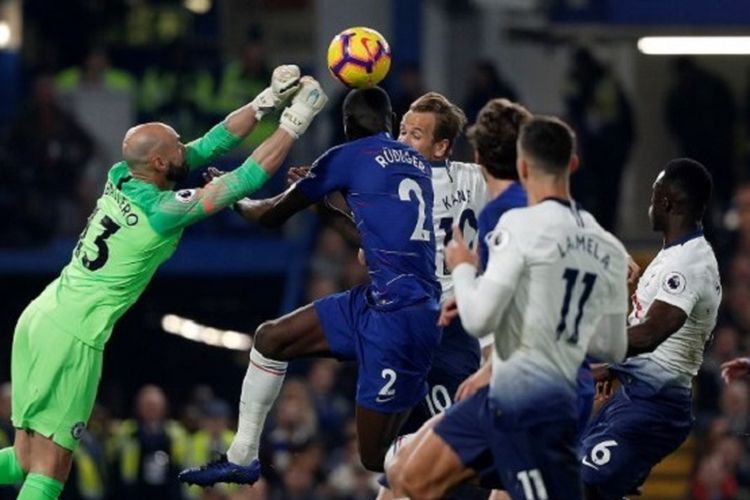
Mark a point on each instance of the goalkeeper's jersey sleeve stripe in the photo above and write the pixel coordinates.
(215, 143)
(176, 209)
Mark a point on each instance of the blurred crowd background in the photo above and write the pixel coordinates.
(75, 75)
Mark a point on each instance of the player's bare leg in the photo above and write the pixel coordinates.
(22, 447)
(45, 457)
(36, 461)
(426, 467)
(375, 434)
(298, 334)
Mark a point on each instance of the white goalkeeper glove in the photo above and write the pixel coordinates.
(306, 103)
(285, 81)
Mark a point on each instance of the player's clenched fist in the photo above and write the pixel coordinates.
(295, 174)
(306, 103)
(735, 369)
(448, 312)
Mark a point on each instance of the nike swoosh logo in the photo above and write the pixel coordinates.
(383, 400)
(585, 462)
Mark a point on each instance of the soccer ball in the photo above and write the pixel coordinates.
(359, 57)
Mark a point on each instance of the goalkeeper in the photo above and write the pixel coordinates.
(59, 339)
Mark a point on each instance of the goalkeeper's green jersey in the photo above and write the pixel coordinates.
(133, 229)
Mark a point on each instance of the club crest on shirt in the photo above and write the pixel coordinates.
(185, 195)
(77, 430)
(674, 283)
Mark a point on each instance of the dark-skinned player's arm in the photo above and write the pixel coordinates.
(661, 321)
(273, 212)
(333, 209)
(331, 172)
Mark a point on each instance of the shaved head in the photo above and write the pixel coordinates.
(143, 140)
(155, 147)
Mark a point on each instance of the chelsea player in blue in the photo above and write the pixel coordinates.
(388, 326)
(499, 118)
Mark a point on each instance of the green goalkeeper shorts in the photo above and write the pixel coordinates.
(55, 377)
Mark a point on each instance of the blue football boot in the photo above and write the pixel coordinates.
(221, 471)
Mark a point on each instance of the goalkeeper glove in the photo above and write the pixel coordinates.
(306, 103)
(285, 81)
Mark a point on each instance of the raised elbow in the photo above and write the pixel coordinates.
(475, 326)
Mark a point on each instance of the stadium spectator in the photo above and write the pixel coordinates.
(602, 117)
(150, 450)
(177, 90)
(348, 479)
(47, 153)
(735, 405)
(330, 407)
(212, 439)
(89, 476)
(701, 116)
(241, 79)
(713, 481)
(485, 83)
(737, 293)
(6, 434)
(724, 347)
(102, 99)
(410, 87)
(295, 423)
(736, 240)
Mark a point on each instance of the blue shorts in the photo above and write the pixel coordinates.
(457, 357)
(393, 348)
(585, 395)
(633, 432)
(539, 457)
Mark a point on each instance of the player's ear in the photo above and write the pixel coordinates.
(667, 204)
(157, 163)
(575, 163)
(441, 149)
(523, 168)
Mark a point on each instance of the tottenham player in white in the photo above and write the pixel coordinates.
(674, 312)
(432, 126)
(557, 281)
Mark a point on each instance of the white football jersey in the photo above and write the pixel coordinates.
(568, 273)
(460, 194)
(685, 275)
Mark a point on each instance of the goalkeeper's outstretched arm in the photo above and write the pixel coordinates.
(177, 210)
(228, 134)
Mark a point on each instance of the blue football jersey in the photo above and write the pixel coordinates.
(513, 197)
(388, 187)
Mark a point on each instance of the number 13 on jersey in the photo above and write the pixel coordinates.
(102, 229)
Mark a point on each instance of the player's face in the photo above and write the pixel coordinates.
(656, 209)
(177, 169)
(417, 130)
